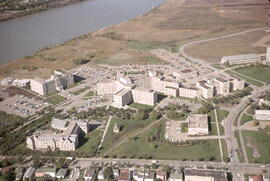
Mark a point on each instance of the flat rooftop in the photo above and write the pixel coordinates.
(242, 57)
(122, 92)
(198, 121)
(218, 175)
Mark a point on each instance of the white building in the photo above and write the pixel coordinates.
(66, 141)
(197, 124)
(241, 59)
(262, 114)
(29, 173)
(204, 175)
(58, 81)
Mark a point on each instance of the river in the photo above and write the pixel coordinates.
(24, 35)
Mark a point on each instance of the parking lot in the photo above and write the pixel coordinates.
(22, 105)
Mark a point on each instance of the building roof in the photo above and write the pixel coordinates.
(29, 172)
(262, 112)
(46, 170)
(255, 178)
(122, 92)
(58, 123)
(61, 173)
(242, 57)
(40, 80)
(198, 121)
(216, 174)
(124, 174)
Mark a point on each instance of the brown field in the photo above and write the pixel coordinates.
(214, 50)
(174, 22)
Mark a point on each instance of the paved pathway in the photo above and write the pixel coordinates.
(105, 132)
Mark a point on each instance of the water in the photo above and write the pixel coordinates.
(23, 36)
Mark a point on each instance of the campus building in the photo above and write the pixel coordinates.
(241, 59)
(58, 81)
(65, 141)
(204, 175)
(262, 114)
(125, 92)
(197, 124)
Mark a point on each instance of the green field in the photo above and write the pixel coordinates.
(239, 150)
(221, 114)
(250, 81)
(56, 99)
(245, 118)
(89, 94)
(218, 66)
(173, 47)
(261, 141)
(78, 92)
(127, 128)
(140, 106)
(225, 150)
(213, 129)
(141, 147)
(261, 73)
(89, 143)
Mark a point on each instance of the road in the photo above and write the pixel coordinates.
(105, 132)
(219, 141)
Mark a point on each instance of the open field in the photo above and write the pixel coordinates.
(225, 150)
(56, 99)
(259, 141)
(215, 50)
(141, 147)
(218, 66)
(261, 73)
(239, 150)
(221, 114)
(250, 81)
(245, 118)
(89, 143)
(127, 128)
(171, 24)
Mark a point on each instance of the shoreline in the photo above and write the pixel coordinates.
(16, 14)
(23, 58)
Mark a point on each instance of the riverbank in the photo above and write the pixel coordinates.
(168, 26)
(4, 16)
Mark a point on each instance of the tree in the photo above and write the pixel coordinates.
(140, 115)
(155, 115)
(108, 173)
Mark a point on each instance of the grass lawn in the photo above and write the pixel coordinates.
(213, 129)
(261, 73)
(89, 143)
(217, 65)
(173, 47)
(140, 106)
(261, 141)
(236, 119)
(239, 150)
(250, 81)
(140, 147)
(78, 92)
(56, 99)
(221, 129)
(225, 150)
(89, 94)
(221, 114)
(127, 128)
(245, 118)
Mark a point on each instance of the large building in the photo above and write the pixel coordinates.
(58, 81)
(262, 114)
(189, 92)
(125, 92)
(197, 124)
(204, 175)
(65, 141)
(241, 59)
(219, 86)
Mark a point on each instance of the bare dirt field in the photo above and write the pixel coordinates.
(171, 24)
(242, 44)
